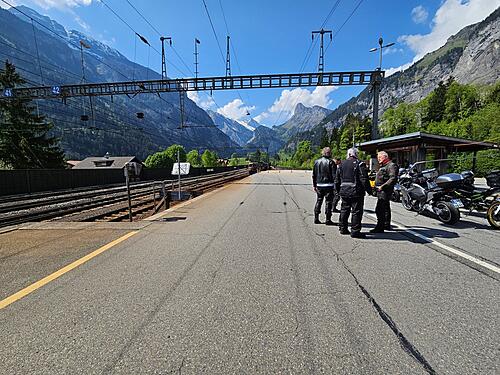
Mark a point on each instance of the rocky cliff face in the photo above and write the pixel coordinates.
(304, 118)
(238, 132)
(470, 56)
(114, 126)
(265, 137)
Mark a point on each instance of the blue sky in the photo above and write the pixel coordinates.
(271, 37)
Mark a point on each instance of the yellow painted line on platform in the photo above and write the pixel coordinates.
(29, 289)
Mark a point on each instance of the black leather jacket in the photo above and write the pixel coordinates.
(352, 179)
(387, 176)
(324, 172)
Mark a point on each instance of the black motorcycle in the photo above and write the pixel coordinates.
(426, 190)
(478, 198)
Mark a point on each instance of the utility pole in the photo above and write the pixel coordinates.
(322, 32)
(182, 108)
(376, 83)
(181, 127)
(82, 46)
(228, 59)
(196, 42)
(163, 60)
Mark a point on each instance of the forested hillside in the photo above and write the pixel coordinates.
(452, 109)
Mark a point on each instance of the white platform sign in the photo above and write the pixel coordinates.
(184, 168)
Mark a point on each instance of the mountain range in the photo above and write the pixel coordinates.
(303, 119)
(45, 53)
(472, 56)
(239, 132)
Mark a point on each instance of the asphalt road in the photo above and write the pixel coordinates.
(241, 281)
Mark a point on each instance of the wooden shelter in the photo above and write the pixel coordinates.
(419, 146)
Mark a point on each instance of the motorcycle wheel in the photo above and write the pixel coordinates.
(447, 212)
(493, 215)
(396, 196)
(405, 201)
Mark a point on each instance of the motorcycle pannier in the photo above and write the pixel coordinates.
(449, 180)
(493, 179)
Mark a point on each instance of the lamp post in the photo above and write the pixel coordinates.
(377, 81)
(380, 48)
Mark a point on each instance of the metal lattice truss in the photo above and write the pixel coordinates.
(197, 84)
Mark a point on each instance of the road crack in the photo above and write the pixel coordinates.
(405, 344)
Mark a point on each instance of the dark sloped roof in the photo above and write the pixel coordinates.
(112, 162)
(419, 138)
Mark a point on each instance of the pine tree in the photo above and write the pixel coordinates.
(24, 142)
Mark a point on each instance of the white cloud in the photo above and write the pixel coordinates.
(11, 2)
(391, 71)
(290, 98)
(207, 103)
(450, 18)
(260, 118)
(419, 14)
(235, 110)
(82, 23)
(61, 4)
(283, 107)
(391, 51)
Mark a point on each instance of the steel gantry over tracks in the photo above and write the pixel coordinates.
(197, 84)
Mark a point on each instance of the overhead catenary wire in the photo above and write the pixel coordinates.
(85, 107)
(59, 68)
(75, 44)
(214, 32)
(137, 34)
(308, 56)
(37, 52)
(234, 51)
(64, 38)
(34, 83)
(159, 34)
(175, 51)
(337, 30)
(345, 22)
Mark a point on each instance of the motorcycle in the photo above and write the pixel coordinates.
(493, 214)
(478, 198)
(427, 191)
(481, 199)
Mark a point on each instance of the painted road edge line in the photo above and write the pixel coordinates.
(450, 249)
(38, 284)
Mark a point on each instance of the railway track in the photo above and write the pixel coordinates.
(104, 204)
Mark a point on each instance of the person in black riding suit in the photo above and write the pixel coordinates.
(352, 183)
(386, 178)
(323, 182)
